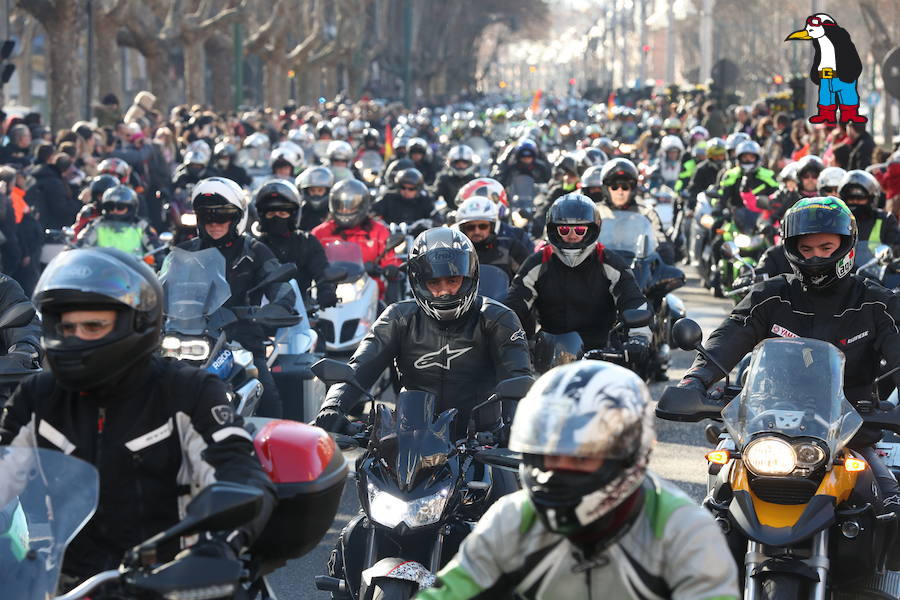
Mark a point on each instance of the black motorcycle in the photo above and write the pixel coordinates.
(631, 235)
(421, 486)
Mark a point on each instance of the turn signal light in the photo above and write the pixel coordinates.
(720, 457)
(854, 465)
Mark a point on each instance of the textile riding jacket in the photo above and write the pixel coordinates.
(158, 436)
(459, 361)
(585, 299)
(394, 208)
(304, 250)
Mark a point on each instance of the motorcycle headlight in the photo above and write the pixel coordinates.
(176, 347)
(770, 456)
(743, 240)
(348, 292)
(390, 511)
(189, 220)
(707, 221)
(809, 455)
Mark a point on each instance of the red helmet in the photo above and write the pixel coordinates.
(116, 167)
(483, 186)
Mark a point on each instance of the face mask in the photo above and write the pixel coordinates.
(223, 163)
(747, 167)
(277, 226)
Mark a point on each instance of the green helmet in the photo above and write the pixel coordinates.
(823, 214)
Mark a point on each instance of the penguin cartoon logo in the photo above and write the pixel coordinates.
(835, 69)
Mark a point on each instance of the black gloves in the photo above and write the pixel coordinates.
(24, 360)
(372, 269)
(637, 349)
(392, 273)
(326, 297)
(332, 419)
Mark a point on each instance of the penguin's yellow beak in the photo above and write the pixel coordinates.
(799, 35)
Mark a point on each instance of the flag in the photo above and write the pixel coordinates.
(536, 102)
(610, 103)
(388, 141)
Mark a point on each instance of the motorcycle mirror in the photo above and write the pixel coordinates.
(514, 387)
(166, 237)
(219, 506)
(730, 250)
(334, 274)
(393, 241)
(274, 315)
(284, 272)
(687, 334)
(883, 253)
(636, 317)
(17, 315)
(333, 371)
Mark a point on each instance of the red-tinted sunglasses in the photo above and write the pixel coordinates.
(817, 22)
(578, 229)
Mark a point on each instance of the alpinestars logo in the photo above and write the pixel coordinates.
(440, 358)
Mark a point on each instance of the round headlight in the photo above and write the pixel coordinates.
(770, 456)
(809, 455)
(743, 240)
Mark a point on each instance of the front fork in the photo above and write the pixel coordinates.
(818, 560)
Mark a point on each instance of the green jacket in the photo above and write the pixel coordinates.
(762, 181)
(687, 171)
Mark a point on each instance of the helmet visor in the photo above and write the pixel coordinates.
(444, 262)
(97, 273)
(823, 218)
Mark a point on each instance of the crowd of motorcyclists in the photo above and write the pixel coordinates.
(510, 266)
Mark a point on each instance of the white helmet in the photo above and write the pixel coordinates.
(198, 153)
(671, 142)
(830, 177)
(465, 153)
(220, 194)
(479, 208)
(339, 150)
(290, 154)
(699, 132)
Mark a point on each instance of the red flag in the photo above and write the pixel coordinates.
(388, 142)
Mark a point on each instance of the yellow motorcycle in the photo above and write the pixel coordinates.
(798, 507)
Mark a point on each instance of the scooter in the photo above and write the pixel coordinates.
(420, 491)
(196, 320)
(796, 504)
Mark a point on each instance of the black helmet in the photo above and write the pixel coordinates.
(99, 279)
(315, 177)
(443, 252)
(620, 170)
(591, 157)
(860, 191)
(573, 209)
(411, 177)
(117, 198)
(371, 135)
(822, 214)
(390, 175)
(101, 183)
(585, 409)
(276, 195)
(349, 203)
(565, 164)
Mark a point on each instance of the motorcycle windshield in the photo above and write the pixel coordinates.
(195, 287)
(412, 440)
(794, 388)
(370, 159)
(745, 220)
(493, 282)
(347, 255)
(521, 192)
(46, 498)
(628, 233)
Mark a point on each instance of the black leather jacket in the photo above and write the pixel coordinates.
(859, 317)
(304, 250)
(394, 208)
(459, 361)
(158, 436)
(25, 339)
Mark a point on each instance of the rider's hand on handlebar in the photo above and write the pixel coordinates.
(392, 273)
(332, 419)
(326, 298)
(373, 269)
(637, 349)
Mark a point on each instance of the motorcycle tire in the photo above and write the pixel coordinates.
(394, 589)
(781, 586)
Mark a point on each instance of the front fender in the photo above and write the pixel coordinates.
(396, 568)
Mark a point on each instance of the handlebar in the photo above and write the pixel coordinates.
(90, 585)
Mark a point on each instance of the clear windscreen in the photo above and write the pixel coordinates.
(628, 233)
(195, 287)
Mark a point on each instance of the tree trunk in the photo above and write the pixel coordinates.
(158, 76)
(64, 80)
(194, 81)
(24, 61)
(219, 56)
(106, 55)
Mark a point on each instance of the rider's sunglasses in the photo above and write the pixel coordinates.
(88, 327)
(218, 215)
(828, 191)
(809, 176)
(578, 229)
(118, 208)
(406, 188)
(620, 186)
(476, 227)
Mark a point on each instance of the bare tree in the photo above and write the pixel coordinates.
(58, 18)
(108, 17)
(26, 27)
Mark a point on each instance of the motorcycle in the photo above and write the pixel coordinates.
(523, 193)
(631, 235)
(420, 491)
(180, 214)
(794, 501)
(369, 165)
(17, 315)
(49, 496)
(877, 262)
(196, 320)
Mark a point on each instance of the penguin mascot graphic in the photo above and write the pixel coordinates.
(835, 69)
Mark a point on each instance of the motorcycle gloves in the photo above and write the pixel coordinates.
(326, 298)
(332, 419)
(637, 349)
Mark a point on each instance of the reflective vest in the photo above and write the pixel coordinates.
(127, 238)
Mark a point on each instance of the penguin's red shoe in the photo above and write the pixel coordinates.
(827, 114)
(849, 113)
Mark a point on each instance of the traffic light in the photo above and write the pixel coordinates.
(7, 70)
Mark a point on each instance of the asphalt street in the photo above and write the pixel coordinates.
(678, 455)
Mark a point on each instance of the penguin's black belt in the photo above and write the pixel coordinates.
(827, 74)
